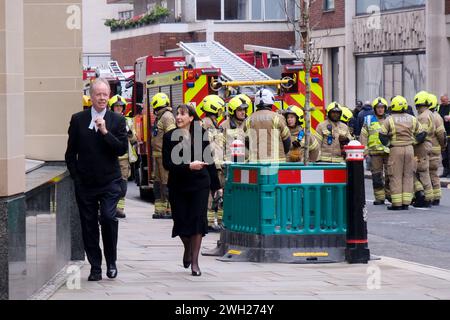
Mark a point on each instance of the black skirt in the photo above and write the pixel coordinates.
(189, 212)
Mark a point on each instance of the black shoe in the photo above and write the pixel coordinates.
(378, 202)
(95, 276)
(405, 207)
(186, 264)
(120, 214)
(156, 216)
(436, 202)
(395, 208)
(166, 216)
(196, 273)
(111, 271)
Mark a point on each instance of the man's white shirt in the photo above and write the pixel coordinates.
(95, 115)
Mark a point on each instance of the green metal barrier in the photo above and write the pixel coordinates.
(286, 199)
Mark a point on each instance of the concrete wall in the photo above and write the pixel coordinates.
(12, 123)
(53, 68)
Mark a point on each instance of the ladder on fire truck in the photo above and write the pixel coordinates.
(232, 66)
(115, 69)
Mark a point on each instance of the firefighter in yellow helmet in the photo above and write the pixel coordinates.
(164, 122)
(118, 104)
(266, 131)
(213, 107)
(422, 183)
(346, 116)
(378, 153)
(296, 123)
(87, 103)
(439, 142)
(233, 125)
(332, 135)
(400, 131)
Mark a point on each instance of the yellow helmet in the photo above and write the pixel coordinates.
(160, 100)
(379, 100)
(296, 111)
(212, 104)
(117, 100)
(240, 101)
(87, 103)
(433, 101)
(422, 99)
(347, 114)
(334, 106)
(399, 104)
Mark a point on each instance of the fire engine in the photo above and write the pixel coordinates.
(209, 68)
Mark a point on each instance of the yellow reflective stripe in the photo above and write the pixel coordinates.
(275, 122)
(170, 127)
(440, 129)
(318, 136)
(392, 127)
(314, 145)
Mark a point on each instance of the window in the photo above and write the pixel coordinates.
(237, 10)
(369, 6)
(328, 5)
(274, 10)
(245, 10)
(402, 75)
(256, 9)
(209, 9)
(126, 14)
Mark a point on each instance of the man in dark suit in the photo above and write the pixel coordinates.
(97, 137)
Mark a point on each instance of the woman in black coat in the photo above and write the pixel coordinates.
(192, 175)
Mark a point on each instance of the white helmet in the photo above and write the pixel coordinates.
(264, 98)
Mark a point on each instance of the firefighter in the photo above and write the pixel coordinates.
(378, 153)
(346, 117)
(118, 104)
(400, 131)
(296, 124)
(439, 141)
(266, 131)
(332, 135)
(164, 122)
(233, 126)
(422, 182)
(213, 107)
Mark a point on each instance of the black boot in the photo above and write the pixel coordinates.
(436, 202)
(378, 202)
(405, 207)
(419, 200)
(395, 208)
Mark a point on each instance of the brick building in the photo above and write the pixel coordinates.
(232, 23)
(382, 47)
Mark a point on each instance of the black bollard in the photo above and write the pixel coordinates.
(357, 250)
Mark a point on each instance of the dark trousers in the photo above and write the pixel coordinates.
(90, 200)
(446, 156)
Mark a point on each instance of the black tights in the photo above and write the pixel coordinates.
(192, 246)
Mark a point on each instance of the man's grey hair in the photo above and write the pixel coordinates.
(97, 82)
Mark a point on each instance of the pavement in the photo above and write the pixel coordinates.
(150, 267)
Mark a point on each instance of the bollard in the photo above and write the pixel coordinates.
(357, 250)
(237, 151)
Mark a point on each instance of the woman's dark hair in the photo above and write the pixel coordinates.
(192, 113)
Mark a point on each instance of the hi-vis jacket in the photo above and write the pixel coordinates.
(370, 135)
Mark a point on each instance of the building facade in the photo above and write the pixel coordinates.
(384, 48)
(232, 23)
(97, 36)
